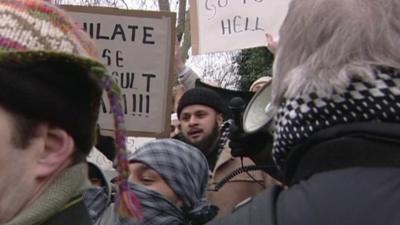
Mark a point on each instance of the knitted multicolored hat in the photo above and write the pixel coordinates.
(49, 73)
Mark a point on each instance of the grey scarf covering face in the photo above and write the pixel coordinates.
(183, 167)
(185, 170)
(157, 210)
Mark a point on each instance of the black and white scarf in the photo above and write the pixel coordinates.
(303, 116)
(224, 137)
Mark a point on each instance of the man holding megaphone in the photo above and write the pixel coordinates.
(202, 115)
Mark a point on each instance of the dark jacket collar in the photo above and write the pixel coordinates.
(364, 144)
(76, 213)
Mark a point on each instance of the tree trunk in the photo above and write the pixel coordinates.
(164, 5)
(180, 28)
(187, 42)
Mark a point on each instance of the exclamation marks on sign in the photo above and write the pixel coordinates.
(148, 104)
(124, 103)
(134, 103)
(140, 105)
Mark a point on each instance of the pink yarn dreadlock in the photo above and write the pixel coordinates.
(128, 204)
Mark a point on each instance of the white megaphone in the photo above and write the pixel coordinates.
(258, 115)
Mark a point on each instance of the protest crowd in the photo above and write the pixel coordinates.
(329, 154)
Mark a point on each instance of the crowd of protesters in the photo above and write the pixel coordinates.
(334, 150)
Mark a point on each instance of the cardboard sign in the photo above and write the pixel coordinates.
(223, 25)
(137, 48)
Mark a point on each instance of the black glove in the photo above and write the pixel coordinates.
(256, 146)
(247, 145)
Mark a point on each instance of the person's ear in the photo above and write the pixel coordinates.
(220, 119)
(57, 151)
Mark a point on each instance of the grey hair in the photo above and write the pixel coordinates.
(324, 44)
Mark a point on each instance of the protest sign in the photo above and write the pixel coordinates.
(223, 25)
(137, 48)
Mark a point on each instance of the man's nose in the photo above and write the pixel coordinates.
(193, 120)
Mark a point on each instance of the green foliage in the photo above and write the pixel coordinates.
(252, 64)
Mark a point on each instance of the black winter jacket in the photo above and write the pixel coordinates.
(345, 175)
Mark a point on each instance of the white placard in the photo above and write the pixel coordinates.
(223, 25)
(137, 47)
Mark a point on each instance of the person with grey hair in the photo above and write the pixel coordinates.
(169, 177)
(336, 92)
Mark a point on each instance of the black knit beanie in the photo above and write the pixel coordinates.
(61, 93)
(202, 96)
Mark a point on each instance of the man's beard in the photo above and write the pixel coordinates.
(207, 144)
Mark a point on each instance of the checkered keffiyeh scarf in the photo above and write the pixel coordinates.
(303, 116)
(185, 169)
(157, 210)
(224, 129)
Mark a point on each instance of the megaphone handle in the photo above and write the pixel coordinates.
(237, 105)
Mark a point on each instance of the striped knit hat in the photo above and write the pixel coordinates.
(57, 78)
(33, 33)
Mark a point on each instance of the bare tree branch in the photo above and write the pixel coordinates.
(218, 68)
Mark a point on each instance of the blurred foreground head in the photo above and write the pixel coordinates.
(51, 85)
(325, 44)
(337, 63)
(49, 70)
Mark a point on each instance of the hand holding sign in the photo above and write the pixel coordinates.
(272, 43)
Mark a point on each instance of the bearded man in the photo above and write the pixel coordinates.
(201, 113)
